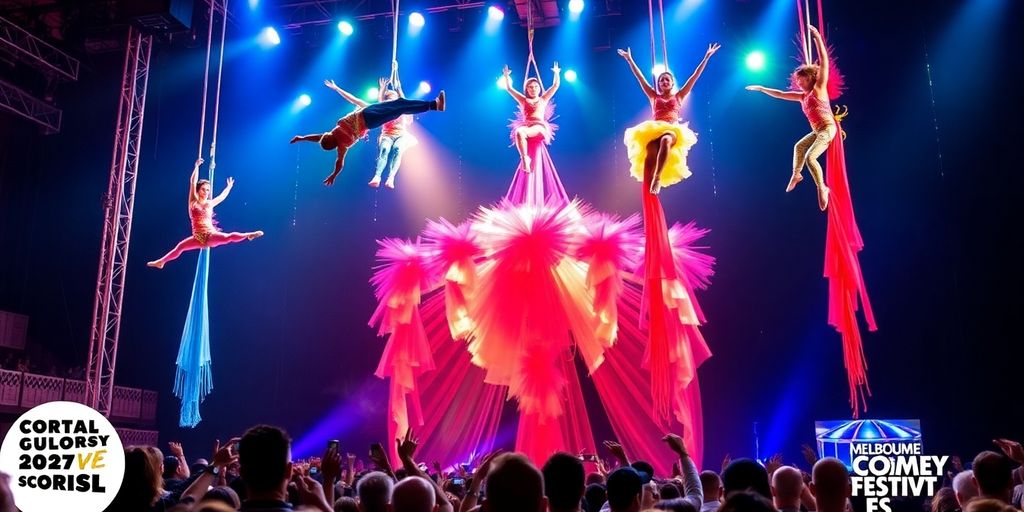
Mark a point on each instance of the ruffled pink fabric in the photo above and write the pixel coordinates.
(527, 285)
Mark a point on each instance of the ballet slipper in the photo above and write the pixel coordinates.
(155, 264)
(439, 101)
(254, 235)
(390, 183)
(527, 165)
(793, 180)
(375, 182)
(823, 193)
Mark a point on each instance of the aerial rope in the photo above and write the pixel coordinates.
(664, 43)
(395, 4)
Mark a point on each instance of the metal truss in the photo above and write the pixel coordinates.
(25, 105)
(37, 52)
(119, 203)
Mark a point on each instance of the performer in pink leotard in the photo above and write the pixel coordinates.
(205, 232)
(812, 82)
(532, 121)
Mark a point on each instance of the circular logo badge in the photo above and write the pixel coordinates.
(62, 456)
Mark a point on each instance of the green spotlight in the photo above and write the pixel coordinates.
(755, 60)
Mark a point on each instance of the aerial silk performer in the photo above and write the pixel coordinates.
(205, 233)
(536, 179)
(814, 85)
(657, 152)
(193, 379)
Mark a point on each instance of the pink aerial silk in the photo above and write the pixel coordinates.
(846, 288)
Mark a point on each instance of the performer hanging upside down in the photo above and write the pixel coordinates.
(355, 125)
(657, 149)
(533, 106)
(395, 137)
(204, 230)
(812, 82)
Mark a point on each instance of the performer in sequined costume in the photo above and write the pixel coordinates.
(657, 153)
(205, 232)
(811, 80)
(534, 113)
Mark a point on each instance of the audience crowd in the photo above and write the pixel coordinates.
(256, 473)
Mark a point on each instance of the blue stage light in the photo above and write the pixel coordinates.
(575, 6)
(346, 28)
(417, 20)
(755, 60)
(570, 75)
(424, 88)
(495, 13)
(371, 93)
(268, 37)
(300, 103)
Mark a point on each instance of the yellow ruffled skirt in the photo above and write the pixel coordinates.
(638, 137)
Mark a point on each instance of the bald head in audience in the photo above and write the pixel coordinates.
(374, 490)
(413, 494)
(787, 485)
(830, 485)
(964, 487)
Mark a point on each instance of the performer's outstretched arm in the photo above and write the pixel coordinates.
(628, 55)
(688, 86)
(555, 82)
(775, 93)
(349, 97)
(821, 84)
(507, 74)
(224, 193)
(193, 193)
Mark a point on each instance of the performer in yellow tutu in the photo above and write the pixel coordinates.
(657, 148)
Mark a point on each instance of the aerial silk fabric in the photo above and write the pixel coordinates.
(503, 306)
(193, 380)
(847, 292)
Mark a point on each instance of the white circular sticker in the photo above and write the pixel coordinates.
(62, 456)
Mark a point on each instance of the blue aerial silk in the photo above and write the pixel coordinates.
(193, 380)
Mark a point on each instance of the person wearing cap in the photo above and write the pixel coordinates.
(625, 489)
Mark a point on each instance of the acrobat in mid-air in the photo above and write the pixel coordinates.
(204, 230)
(395, 137)
(355, 125)
(657, 148)
(534, 113)
(811, 80)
